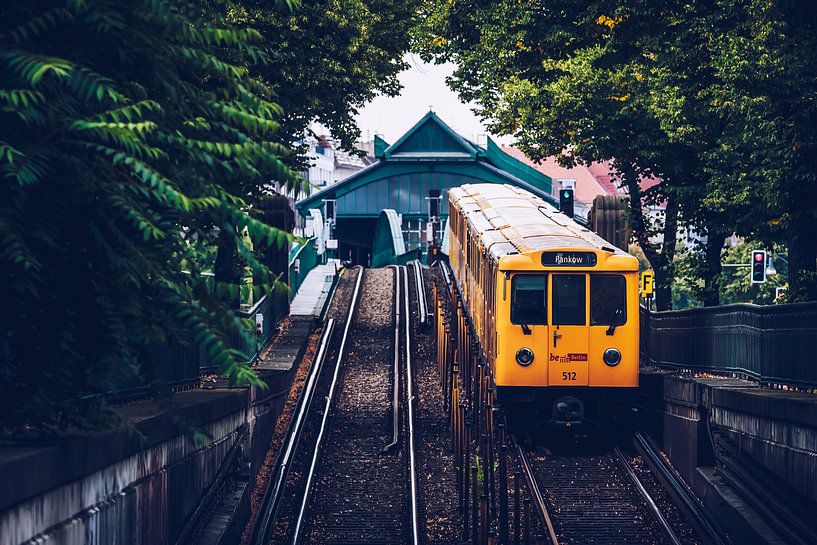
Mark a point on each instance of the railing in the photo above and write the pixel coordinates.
(181, 362)
(271, 308)
(306, 258)
(178, 363)
(774, 344)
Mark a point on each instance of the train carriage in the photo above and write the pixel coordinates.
(555, 307)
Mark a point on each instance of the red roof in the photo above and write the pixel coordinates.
(592, 180)
(603, 173)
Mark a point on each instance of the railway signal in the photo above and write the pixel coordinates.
(647, 286)
(647, 283)
(566, 202)
(758, 269)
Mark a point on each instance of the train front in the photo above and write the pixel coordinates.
(567, 325)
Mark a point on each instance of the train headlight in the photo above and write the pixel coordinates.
(612, 357)
(524, 356)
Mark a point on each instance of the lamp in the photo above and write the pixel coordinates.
(770, 270)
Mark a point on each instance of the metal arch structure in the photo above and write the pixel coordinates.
(316, 224)
(388, 239)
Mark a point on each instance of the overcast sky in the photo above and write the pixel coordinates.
(423, 86)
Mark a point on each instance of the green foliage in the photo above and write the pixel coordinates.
(736, 285)
(715, 98)
(129, 139)
(326, 59)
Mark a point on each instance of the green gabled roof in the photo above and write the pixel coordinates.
(380, 146)
(432, 146)
(516, 167)
(431, 135)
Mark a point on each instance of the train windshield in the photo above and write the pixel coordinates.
(608, 302)
(529, 299)
(569, 299)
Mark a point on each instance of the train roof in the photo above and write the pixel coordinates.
(512, 221)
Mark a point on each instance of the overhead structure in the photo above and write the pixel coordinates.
(389, 246)
(412, 177)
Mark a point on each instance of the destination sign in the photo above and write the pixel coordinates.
(568, 259)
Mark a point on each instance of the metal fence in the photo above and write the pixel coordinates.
(181, 362)
(263, 316)
(303, 260)
(270, 309)
(774, 344)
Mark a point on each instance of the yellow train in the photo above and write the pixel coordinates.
(554, 306)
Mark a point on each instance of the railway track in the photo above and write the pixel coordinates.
(602, 496)
(335, 481)
(577, 494)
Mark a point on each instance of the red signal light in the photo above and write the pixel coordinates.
(758, 272)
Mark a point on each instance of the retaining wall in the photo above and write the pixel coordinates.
(776, 429)
(126, 488)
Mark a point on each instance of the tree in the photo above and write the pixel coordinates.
(709, 96)
(765, 165)
(545, 73)
(125, 134)
(326, 59)
(322, 61)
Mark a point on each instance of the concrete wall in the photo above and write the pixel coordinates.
(778, 429)
(116, 487)
(775, 429)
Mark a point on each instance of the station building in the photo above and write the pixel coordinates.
(403, 195)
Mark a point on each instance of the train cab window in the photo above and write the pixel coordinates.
(529, 299)
(569, 299)
(608, 300)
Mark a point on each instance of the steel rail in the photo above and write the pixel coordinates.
(536, 493)
(415, 530)
(683, 497)
(395, 402)
(296, 536)
(422, 306)
(274, 492)
(446, 272)
(669, 533)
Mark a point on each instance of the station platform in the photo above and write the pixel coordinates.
(315, 290)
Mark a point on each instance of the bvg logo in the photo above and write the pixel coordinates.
(568, 358)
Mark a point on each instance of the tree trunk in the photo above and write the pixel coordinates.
(663, 290)
(227, 272)
(660, 255)
(712, 268)
(278, 214)
(802, 258)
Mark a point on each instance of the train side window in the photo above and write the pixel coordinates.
(529, 299)
(608, 300)
(569, 295)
